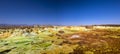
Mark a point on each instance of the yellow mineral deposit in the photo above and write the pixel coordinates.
(60, 40)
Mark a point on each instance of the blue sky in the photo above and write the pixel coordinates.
(61, 12)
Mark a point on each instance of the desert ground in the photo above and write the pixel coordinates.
(60, 40)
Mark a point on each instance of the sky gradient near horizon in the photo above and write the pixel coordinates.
(60, 12)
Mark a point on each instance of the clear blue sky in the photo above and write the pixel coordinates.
(64, 12)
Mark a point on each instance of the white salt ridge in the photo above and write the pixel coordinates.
(75, 36)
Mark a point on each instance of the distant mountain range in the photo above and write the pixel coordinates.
(4, 26)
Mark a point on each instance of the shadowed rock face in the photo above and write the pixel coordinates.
(5, 51)
(61, 32)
